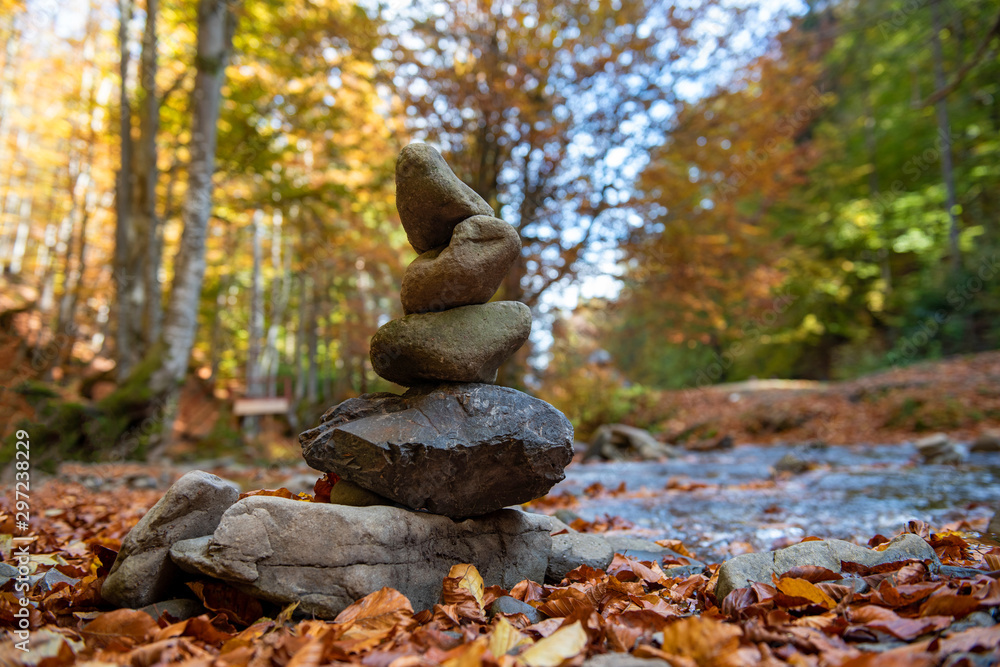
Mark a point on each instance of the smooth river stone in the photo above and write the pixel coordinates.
(324, 557)
(143, 572)
(431, 199)
(453, 449)
(467, 271)
(465, 344)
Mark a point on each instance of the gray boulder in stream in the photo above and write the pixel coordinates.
(743, 570)
(454, 449)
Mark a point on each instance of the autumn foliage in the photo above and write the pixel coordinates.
(908, 613)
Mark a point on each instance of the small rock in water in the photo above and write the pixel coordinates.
(327, 556)
(143, 572)
(939, 449)
(994, 525)
(467, 271)
(571, 550)
(431, 200)
(987, 441)
(741, 571)
(465, 344)
(453, 449)
(792, 464)
(620, 442)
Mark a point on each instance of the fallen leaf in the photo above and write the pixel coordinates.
(383, 602)
(564, 643)
(122, 627)
(216, 596)
(469, 579)
(374, 618)
(505, 637)
(700, 639)
(323, 486)
(800, 589)
(888, 621)
(973, 639)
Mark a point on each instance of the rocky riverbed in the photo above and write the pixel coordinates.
(755, 498)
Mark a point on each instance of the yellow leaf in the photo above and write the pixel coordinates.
(469, 655)
(800, 588)
(505, 637)
(564, 643)
(469, 579)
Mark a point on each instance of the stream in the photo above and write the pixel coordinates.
(721, 504)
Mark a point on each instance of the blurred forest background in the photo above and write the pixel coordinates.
(197, 199)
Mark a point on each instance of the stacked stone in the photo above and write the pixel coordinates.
(449, 333)
(453, 444)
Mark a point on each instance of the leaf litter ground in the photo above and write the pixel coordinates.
(909, 613)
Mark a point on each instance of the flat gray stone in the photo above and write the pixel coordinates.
(571, 550)
(467, 271)
(431, 199)
(328, 556)
(465, 344)
(143, 572)
(454, 449)
(740, 571)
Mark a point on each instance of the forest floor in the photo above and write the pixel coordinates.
(958, 395)
(909, 614)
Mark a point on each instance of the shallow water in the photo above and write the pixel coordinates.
(853, 493)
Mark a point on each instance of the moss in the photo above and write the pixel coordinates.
(33, 390)
(121, 426)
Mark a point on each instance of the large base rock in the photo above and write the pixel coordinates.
(742, 570)
(328, 556)
(455, 449)
(143, 572)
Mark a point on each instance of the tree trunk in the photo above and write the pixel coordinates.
(280, 294)
(137, 251)
(944, 130)
(216, 23)
(255, 331)
(123, 196)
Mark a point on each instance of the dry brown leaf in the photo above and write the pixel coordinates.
(700, 639)
(121, 627)
(219, 597)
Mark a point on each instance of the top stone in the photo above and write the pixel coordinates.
(431, 200)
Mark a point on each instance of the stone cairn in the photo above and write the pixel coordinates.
(453, 446)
